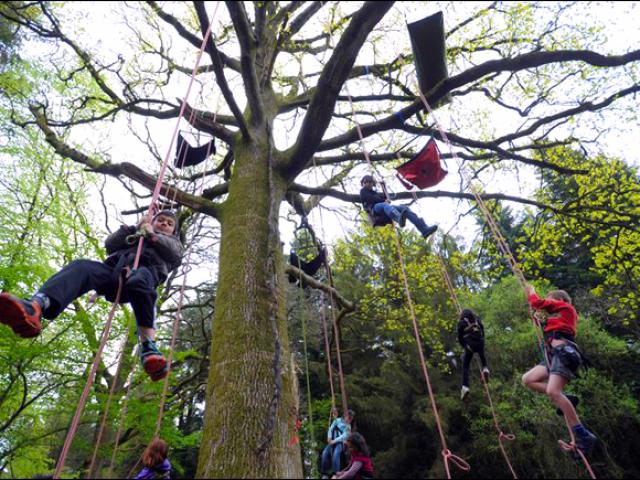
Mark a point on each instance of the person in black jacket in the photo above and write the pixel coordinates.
(376, 204)
(471, 337)
(161, 253)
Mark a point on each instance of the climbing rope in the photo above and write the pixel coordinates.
(447, 455)
(178, 316)
(324, 327)
(336, 332)
(92, 374)
(303, 321)
(120, 362)
(114, 381)
(336, 335)
(152, 207)
(514, 265)
(123, 415)
(501, 434)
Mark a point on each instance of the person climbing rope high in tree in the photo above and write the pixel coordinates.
(376, 204)
(162, 253)
(471, 337)
(564, 360)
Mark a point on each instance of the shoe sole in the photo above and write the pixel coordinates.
(427, 235)
(155, 366)
(14, 315)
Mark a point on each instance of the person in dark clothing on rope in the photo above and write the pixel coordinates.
(161, 253)
(376, 204)
(471, 337)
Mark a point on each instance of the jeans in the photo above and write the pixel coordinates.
(394, 211)
(466, 362)
(331, 454)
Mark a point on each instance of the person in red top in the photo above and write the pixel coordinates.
(360, 465)
(564, 360)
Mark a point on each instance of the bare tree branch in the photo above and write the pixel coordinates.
(218, 68)
(127, 169)
(312, 282)
(194, 40)
(529, 60)
(329, 84)
(248, 42)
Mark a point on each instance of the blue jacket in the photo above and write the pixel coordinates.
(159, 471)
(339, 430)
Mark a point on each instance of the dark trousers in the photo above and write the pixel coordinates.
(466, 361)
(81, 276)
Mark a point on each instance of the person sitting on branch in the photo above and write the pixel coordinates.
(376, 204)
(162, 253)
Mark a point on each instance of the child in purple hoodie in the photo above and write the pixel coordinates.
(155, 461)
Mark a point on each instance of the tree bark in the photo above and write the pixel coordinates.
(250, 406)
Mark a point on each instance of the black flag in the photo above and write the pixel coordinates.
(187, 156)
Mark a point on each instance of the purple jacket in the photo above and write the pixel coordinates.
(159, 471)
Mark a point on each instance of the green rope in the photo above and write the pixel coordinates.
(314, 473)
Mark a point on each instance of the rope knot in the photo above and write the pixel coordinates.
(457, 461)
(507, 436)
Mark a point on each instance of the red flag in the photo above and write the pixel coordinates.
(424, 169)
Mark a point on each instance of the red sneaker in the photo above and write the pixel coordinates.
(15, 313)
(155, 366)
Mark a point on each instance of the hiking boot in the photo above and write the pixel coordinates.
(485, 374)
(429, 231)
(586, 441)
(574, 401)
(403, 219)
(23, 316)
(464, 392)
(153, 361)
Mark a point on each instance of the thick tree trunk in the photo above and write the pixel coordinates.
(250, 409)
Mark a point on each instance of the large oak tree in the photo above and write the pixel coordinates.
(290, 66)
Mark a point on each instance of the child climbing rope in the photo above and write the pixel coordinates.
(161, 253)
(360, 465)
(564, 360)
(376, 205)
(471, 337)
(154, 459)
